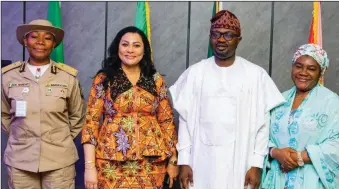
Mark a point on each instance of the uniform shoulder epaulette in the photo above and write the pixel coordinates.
(11, 66)
(67, 69)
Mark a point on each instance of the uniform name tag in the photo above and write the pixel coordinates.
(21, 108)
(56, 85)
(18, 84)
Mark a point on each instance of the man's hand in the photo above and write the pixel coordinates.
(172, 171)
(253, 177)
(186, 176)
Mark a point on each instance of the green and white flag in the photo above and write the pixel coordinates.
(142, 19)
(54, 16)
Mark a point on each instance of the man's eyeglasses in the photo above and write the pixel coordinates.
(228, 35)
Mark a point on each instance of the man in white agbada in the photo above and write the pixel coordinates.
(224, 104)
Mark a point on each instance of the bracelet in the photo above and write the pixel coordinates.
(271, 152)
(89, 166)
(89, 162)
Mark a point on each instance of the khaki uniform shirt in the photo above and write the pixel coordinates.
(43, 140)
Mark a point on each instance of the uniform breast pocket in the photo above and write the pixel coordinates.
(217, 120)
(55, 99)
(18, 130)
(16, 94)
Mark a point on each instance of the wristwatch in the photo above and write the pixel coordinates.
(300, 159)
(175, 162)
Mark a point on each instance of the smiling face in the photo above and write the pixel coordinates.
(224, 42)
(39, 45)
(131, 49)
(305, 73)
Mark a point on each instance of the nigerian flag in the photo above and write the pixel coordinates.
(217, 6)
(142, 19)
(54, 16)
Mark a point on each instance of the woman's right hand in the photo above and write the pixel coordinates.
(284, 157)
(91, 178)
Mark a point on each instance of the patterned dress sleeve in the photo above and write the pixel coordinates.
(324, 153)
(94, 111)
(165, 113)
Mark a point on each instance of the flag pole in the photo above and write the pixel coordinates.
(188, 35)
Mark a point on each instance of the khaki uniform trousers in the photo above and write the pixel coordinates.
(57, 179)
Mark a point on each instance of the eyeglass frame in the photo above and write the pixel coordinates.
(225, 35)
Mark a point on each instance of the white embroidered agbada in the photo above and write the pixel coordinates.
(222, 127)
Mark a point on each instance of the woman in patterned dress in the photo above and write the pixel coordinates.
(136, 137)
(304, 132)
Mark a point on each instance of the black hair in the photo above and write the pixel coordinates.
(112, 63)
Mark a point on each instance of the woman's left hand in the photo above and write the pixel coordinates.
(172, 171)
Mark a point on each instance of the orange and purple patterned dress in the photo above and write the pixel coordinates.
(137, 134)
